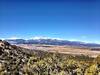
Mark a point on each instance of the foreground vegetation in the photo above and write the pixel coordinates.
(58, 64)
(19, 61)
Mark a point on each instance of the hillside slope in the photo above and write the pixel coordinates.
(19, 61)
(12, 58)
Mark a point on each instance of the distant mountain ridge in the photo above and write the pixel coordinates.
(52, 42)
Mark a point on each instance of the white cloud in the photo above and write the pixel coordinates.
(85, 41)
(2, 38)
(44, 37)
(40, 37)
(98, 42)
(73, 39)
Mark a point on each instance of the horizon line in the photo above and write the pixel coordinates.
(44, 37)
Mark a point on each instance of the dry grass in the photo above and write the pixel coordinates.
(63, 49)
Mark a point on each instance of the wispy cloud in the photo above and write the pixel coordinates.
(14, 37)
(2, 38)
(73, 39)
(44, 37)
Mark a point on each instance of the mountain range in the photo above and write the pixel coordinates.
(52, 42)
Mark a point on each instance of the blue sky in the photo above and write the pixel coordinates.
(65, 19)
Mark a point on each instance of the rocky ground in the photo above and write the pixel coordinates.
(12, 58)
